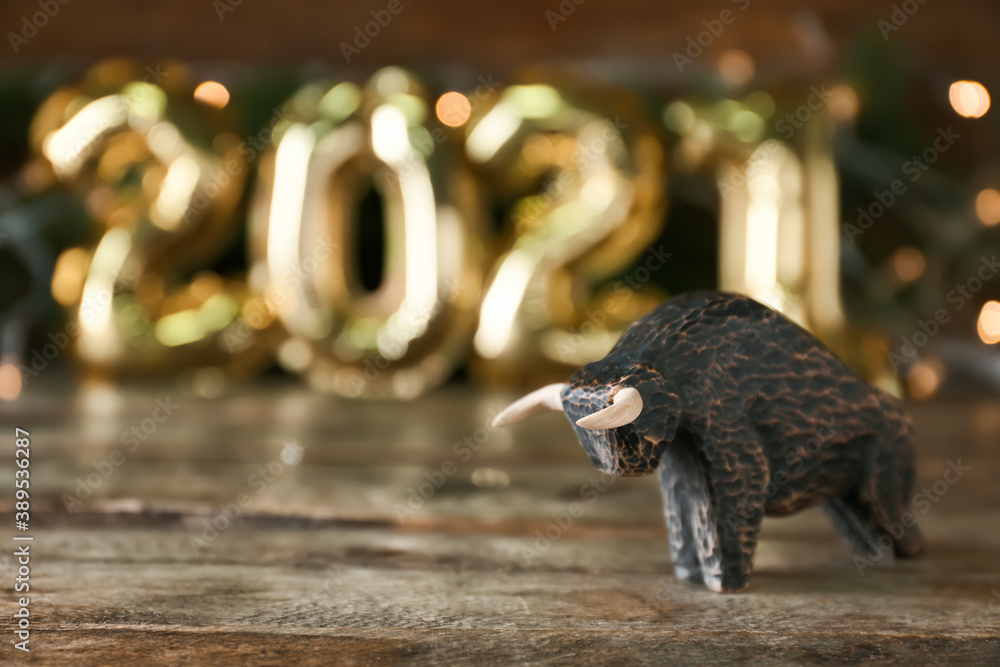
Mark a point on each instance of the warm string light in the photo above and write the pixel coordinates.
(736, 67)
(924, 379)
(988, 206)
(988, 325)
(842, 102)
(908, 264)
(453, 109)
(10, 382)
(212, 93)
(969, 99)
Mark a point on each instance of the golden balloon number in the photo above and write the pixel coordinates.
(779, 224)
(405, 335)
(161, 183)
(587, 200)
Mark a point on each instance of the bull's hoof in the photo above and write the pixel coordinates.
(720, 585)
(692, 575)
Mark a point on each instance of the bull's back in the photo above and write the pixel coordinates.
(735, 360)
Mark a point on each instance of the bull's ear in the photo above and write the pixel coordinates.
(541, 400)
(626, 406)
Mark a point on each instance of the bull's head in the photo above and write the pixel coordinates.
(623, 415)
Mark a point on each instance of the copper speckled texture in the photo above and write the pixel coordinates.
(747, 414)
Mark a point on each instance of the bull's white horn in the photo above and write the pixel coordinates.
(626, 405)
(540, 400)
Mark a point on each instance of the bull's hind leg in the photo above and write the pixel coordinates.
(850, 522)
(875, 513)
(896, 476)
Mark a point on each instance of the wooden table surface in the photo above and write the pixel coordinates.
(373, 533)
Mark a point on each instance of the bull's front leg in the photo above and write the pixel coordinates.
(686, 505)
(738, 474)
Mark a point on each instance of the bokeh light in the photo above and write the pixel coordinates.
(988, 206)
(969, 98)
(10, 382)
(453, 109)
(490, 478)
(988, 325)
(68, 275)
(212, 93)
(736, 67)
(679, 117)
(908, 264)
(842, 102)
(923, 380)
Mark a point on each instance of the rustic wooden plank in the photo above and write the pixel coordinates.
(320, 566)
(448, 596)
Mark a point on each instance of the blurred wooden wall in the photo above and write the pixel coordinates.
(961, 37)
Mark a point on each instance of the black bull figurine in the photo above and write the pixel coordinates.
(743, 413)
